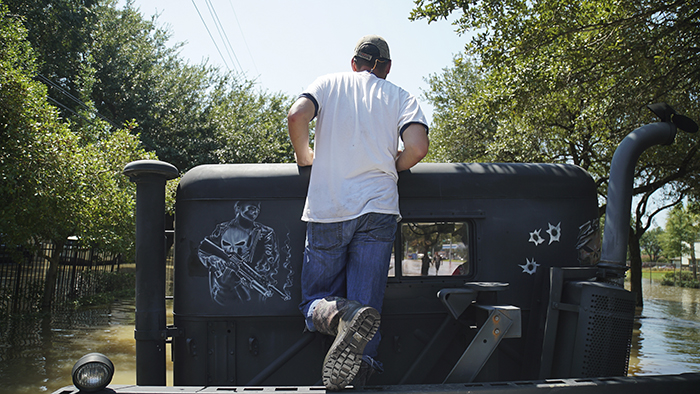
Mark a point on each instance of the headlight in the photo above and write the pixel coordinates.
(92, 372)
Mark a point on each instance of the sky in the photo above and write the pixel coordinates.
(285, 45)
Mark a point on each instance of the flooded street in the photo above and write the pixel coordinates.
(37, 355)
(666, 337)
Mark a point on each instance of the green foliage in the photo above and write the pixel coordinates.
(206, 117)
(60, 32)
(32, 295)
(462, 129)
(680, 279)
(682, 230)
(651, 243)
(32, 139)
(566, 81)
(249, 128)
(57, 181)
(106, 66)
(187, 114)
(115, 282)
(64, 178)
(120, 66)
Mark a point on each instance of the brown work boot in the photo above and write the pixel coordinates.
(353, 325)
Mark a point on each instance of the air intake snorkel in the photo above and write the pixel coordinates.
(612, 265)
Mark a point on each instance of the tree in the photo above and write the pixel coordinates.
(651, 243)
(682, 231)
(566, 81)
(57, 182)
(60, 31)
(106, 67)
(84, 194)
(455, 97)
(187, 114)
(249, 127)
(24, 117)
(114, 61)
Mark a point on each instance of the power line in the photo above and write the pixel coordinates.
(49, 82)
(65, 107)
(224, 36)
(243, 36)
(60, 89)
(210, 36)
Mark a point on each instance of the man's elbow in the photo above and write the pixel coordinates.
(301, 113)
(294, 118)
(421, 149)
(418, 148)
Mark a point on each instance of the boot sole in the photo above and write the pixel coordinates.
(343, 359)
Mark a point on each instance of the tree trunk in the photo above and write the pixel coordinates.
(52, 275)
(635, 267)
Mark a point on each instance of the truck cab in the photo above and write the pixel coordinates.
(499, 281)
(483, 234)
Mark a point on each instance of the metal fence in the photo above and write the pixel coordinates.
(22, 276)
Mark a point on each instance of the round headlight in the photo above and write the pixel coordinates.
(92, 372)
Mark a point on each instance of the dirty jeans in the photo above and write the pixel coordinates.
(348, 259)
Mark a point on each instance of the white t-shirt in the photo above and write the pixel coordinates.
(359, 121)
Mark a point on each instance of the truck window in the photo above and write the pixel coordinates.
(432, 249)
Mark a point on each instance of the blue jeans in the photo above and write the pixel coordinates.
(348, 259)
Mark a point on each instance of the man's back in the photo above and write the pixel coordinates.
(356, 141)
(352, 204)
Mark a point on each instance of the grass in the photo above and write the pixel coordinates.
(654, 274)
(665, 276)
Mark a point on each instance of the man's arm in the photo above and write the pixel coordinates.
(298, 118)
(415, 142)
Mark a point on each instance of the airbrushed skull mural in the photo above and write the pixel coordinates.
(244, 259)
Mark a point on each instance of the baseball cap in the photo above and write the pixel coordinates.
(372, 47)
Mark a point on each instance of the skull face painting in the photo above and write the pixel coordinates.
(243, 258)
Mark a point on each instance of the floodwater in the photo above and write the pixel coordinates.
(666, 338)
(37, 355)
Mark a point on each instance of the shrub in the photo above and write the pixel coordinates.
(680, 279)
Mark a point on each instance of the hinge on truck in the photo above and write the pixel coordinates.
(158, 335)
(173, 332)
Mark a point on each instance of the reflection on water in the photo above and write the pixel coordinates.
(37, 355)
(667, 331)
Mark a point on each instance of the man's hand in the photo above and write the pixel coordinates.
(416, 143)
(301, 113)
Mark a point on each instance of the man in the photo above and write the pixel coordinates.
(352, 204)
